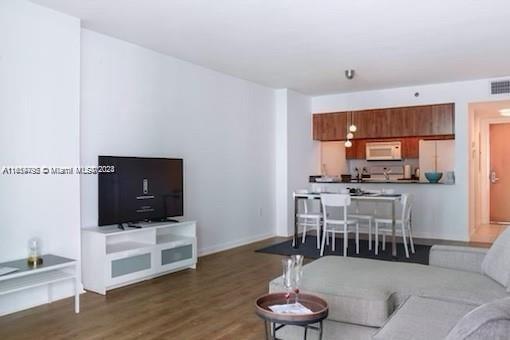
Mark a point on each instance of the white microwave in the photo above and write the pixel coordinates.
(384, 151)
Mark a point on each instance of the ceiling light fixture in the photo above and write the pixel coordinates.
(348, 143)
(505, 112)
(349, 74)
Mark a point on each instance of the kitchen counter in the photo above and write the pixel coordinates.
(435, 206)
(376, 181)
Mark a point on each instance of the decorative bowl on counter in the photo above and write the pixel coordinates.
(433, 177)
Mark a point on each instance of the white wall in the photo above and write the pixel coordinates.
(39, 117)
(281, 164)
(453, 202)
(299, 163)
(137, 102)
(297, 155)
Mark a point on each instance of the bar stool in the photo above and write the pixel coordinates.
(366, 218)
(307, 218)
(404, 222)
(328, 202)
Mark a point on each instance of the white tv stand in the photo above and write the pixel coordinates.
(113, 258)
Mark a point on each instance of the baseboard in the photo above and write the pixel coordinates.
(234, 244)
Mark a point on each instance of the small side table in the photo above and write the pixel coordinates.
(275, 321)
(54, 269)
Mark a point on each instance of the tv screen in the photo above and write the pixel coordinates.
(139, 189)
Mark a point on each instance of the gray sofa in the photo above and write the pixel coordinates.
(462, 294)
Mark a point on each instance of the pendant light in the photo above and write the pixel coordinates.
(349, 74)
(352, 127)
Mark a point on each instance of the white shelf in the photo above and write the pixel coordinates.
(33, 280)
(172, 238)
(125, 246)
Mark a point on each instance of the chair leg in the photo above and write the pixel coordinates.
(324, 237)
(357, 238)
(304, 232)
(318, 234)
(383, 241)
(333, 240)
(370, 234)
(404, 239)
(411, 242)
(345, 239)
(327, 238)
(376, 244)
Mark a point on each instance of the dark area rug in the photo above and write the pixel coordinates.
(309, 249)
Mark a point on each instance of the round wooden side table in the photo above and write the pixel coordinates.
(275, 321)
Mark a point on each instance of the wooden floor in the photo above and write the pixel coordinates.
(215, 301)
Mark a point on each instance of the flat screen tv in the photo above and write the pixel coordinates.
(139, 189)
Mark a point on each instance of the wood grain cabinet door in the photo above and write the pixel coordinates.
(442, 119)
(364, 121)
(329, 126)
(410, 147)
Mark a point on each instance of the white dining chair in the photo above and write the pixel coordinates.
(364, 219)
(383, 225)
(338, 202)
(308, 218)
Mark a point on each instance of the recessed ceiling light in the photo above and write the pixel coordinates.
(505, 112)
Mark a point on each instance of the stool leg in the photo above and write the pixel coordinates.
(304, 231)
(357, 238)
(318, 226)
(324, 237)
(404, 239)
(370, 234)
(376, 245)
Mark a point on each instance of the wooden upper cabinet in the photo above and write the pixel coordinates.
(413, 121)
(443, 119)
(330, 126)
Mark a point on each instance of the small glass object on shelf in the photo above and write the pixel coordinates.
(34, 252)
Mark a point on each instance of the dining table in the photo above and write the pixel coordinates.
(388, 198)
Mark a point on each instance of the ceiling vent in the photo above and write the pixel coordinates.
(500, 87)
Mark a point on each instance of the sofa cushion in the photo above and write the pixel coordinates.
(423, 319)
(497, 261)
(347, 303)
(488, 321)
(365, 292)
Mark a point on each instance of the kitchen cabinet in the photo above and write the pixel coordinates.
(410, 147)
(412, 121)
(330, 126)
(357, 150)
(436, 152)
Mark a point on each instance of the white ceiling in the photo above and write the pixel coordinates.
(306, 45)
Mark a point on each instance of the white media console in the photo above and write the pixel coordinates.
(112, 257)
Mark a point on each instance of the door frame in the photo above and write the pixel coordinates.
(485, 166)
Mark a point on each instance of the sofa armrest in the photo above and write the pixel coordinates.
(456, 257)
